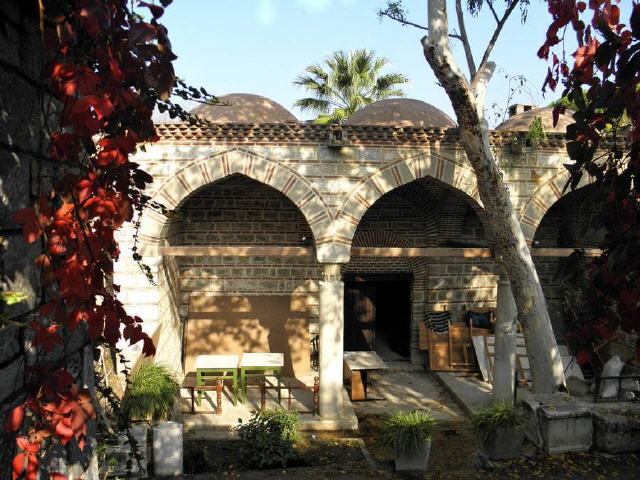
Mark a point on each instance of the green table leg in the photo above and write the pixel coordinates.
(224, 374)
(199, 383)
(277, 372)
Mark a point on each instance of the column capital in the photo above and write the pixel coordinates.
(331, 272)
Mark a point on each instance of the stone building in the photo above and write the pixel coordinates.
(286, 229)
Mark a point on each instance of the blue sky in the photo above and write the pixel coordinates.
(260, 46)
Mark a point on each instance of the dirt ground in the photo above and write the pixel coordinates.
(339, 456)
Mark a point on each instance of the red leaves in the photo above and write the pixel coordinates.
(65, 147)
(26, 463)
(109, 70)
(69, 79)
(46, 337)
(142, 33)
(14, 420)
(28, 218)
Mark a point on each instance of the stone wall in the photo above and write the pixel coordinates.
(20, 149)
(388, 192)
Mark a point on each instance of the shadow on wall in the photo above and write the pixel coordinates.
(242, 324)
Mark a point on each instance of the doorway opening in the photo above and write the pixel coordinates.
(377, 314)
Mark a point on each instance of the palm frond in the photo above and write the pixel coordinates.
(346, 82)
(313, 104)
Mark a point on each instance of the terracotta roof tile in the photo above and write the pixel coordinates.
(301, 133)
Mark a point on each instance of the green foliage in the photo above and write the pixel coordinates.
(11, 298)
(407, 431)
(269, 437)
(151, 394)
(350, 81)
(536, 132)
(499, 415)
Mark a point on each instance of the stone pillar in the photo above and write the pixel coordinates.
(505, 349)
(331, 341)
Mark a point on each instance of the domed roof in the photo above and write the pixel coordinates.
(522, 121)
(401, 112)
(244, 108)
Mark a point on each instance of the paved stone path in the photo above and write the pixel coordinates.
(403, 388)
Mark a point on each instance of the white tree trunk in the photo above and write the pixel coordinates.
(546, 365)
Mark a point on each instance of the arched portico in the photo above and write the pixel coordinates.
(202, 172)
(394, 175)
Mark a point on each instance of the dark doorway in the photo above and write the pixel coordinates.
(377, 313)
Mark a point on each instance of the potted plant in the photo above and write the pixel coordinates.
(499, 428)
(409, 435)
(151, 397)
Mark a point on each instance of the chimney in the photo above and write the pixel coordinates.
(517, 108)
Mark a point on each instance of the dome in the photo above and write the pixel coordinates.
(401, 112)
(244, 108)
(522, 121)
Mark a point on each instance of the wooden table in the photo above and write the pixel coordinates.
(252, 364)
(224, 367)
(359, 364)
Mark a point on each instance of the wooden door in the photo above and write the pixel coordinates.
(359, 316)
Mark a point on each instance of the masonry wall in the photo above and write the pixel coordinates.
(569, 223)
(335, 187)
(20, 147)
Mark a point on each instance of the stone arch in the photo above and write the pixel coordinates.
(542, 200)
(393, 175)
(206, 171)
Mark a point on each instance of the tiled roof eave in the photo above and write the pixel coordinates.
(310, 134)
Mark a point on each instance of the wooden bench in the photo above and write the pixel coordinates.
(189, 383)
(291, 384)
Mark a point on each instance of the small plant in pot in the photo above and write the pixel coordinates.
(409, 435)
(151, 397)
(499, 428)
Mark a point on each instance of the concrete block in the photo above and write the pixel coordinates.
(557, 423)
(616, 432)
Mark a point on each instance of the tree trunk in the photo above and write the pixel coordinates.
(546, 365)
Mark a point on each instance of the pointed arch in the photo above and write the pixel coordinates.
(542, 200)
(199, 173)
(394, 175)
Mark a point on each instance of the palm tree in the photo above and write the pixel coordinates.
(351, 81)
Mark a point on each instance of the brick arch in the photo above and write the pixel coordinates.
(542, 199)
(379, 239)
(202, 172)
(393, 175)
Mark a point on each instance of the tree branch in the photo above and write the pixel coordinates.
(494, 39)
(493, 11)
(465, 39)
(403, 21)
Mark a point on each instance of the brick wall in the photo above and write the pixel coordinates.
(241, 211)
(568, 223)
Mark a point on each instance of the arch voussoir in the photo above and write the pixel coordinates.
(208, 170)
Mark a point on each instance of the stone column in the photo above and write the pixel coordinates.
(331, 341)
(505, 349)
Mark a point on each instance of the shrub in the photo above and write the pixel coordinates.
(407, 431)
(499, 415)
(269, 437)
(151, 393)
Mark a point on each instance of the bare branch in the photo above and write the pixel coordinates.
(401, 19)
(493, 11)
(494, 39)
(465, 39)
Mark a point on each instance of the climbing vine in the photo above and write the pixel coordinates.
(602, 83)
(108, 66)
